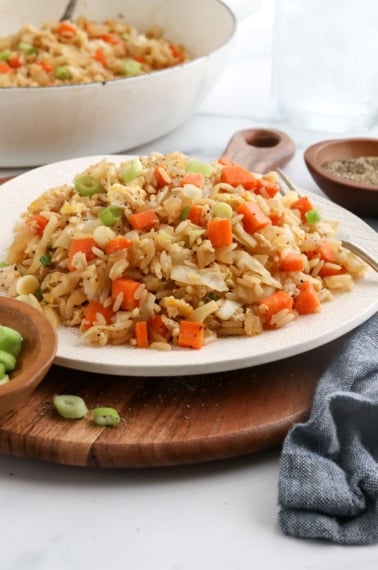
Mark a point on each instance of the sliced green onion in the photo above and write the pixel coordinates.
(71, 407)
(131, 67)
(222, 210)
(45, 260)
(184, 213)
(2, 370)
(110, 215)
(28, 48)
(5, 54)
(4, 380)
(88, 185)
(62, 73)
(194, 165)
(132, 170)
(312, 216)
(213, 296)
(3, 264)
(10, 340)
(106, 416)
(38, 294)
(8, 360)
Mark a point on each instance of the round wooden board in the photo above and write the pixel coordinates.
(166, 421)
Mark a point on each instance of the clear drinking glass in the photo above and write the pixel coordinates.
(325, 63)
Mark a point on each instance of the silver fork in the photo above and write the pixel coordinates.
(356, 249)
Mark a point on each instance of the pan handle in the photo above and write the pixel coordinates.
(260, 150)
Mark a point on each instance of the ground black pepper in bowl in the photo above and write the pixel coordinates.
(346, 170)
(363, 169)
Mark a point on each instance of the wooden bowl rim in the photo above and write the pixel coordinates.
(43, 357)
(312, 161)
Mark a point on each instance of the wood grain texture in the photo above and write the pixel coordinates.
(166, 421)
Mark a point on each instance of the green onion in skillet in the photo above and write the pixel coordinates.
(27, 48)
(5, 54)
(62, 73)
(131, 67)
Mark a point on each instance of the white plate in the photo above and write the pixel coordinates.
(345, 312)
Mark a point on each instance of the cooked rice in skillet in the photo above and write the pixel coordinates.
(61, 53)
(161, 260)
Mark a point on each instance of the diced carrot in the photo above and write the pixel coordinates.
(275, 303)
(110, 39)
(127, 288)
(141, 334)
(37, 223)
(144, 220)
(328, 269)
(195, 214)
(307, 301)
(195, 178)
(225, 161)
(99, 55)
(254, 218)
(14, 61)
(83, 245)
(4, 67)
(303, 204)
(156, 323)
(177, 52)
(45, 66)
(267, 188)
(219, 232)
(236, 175)
(116, 244)
(276, 219)
(292, 261)
(190, 334)
(139, 58)
(92, 310)
(325, 251)
(162, 176)
(67, 30)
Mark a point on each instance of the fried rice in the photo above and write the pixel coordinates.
(167, 240)
(61, 53)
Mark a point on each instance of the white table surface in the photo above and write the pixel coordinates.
(215, 516)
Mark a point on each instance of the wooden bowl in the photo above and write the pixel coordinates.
(37, 354)
(362, 199)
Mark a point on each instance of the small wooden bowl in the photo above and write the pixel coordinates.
(37, 354)
(362, 199)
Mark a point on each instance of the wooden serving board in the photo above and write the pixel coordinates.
(166, 421)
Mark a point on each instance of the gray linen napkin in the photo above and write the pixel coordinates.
(328, 482)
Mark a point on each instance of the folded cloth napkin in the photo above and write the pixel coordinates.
(328, 481)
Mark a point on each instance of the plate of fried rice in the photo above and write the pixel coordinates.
(164, 265)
